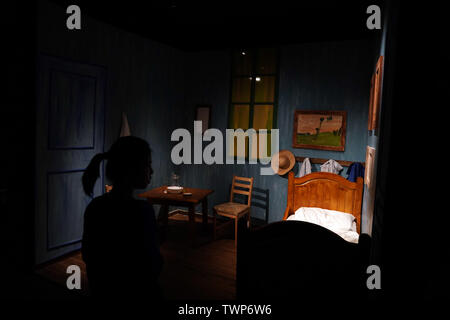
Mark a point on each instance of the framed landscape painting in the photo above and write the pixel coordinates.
(323, 130)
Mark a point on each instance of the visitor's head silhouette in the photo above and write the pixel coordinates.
(128, 166)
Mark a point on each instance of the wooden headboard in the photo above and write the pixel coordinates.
(325, 190)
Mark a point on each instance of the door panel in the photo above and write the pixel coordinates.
(72, 111)
(66, 204)
(69, 132)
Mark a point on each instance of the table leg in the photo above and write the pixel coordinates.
(192, 233)
(205, 214)
(163, 216)
(163, 221)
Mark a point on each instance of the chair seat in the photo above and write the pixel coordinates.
(231, 208)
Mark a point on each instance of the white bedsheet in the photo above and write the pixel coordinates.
(341, 223)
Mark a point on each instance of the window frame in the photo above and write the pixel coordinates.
(252, 103)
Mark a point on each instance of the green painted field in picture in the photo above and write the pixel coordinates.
(323, 138)
(323, 130)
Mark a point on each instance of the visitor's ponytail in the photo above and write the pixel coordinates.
(92, 172)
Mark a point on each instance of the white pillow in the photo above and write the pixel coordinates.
(330, 219)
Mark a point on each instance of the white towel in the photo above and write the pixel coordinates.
(331, 166)
(305, 168)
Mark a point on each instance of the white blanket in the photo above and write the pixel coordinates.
(341, 223)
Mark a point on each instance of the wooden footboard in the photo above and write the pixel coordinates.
(289, 260)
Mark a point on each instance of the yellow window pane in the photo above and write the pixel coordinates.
(240, 152)
(254, 147)
(238, 145)
(261, 146)
(242, 62)
(264, 89)
(240, 116)
(266, 61)
(240, 119)
(263, 117)
(241, 89)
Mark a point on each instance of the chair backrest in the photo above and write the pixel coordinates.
(242, 185)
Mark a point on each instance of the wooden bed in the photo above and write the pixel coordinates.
(291, 260)
(327, 191)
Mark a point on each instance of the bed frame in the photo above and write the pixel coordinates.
(327, 191)
(301, 261)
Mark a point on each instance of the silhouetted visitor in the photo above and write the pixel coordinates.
(120, 246)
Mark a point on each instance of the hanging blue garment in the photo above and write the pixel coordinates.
(354, 171)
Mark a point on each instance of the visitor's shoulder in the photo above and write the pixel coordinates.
(98, 202)
(144, 205)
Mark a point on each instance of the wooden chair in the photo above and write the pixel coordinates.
(235, 210)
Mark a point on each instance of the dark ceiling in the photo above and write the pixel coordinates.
(203, 25)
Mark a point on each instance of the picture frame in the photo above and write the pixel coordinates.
(322, 130)
(370, 160)
(375, 95)
(203, 113)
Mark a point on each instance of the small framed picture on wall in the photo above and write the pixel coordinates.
(203, 114)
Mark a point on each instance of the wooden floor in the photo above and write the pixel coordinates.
(206, 271)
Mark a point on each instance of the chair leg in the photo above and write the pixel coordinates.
(236, 222)
(248, 219)
(215, 223)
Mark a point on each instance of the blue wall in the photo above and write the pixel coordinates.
(315, 76)
(326, 76)
(144, 78)
(158, 87)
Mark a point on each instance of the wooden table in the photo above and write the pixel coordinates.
(157, 196)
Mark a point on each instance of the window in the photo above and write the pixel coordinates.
(254, 84)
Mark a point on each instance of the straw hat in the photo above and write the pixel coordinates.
(282, 162)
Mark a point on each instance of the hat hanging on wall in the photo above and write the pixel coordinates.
(282, 162)
(125, 129)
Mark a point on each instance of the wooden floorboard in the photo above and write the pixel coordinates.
(57, 271)
(206, 271)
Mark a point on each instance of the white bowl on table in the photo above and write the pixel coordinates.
(174, 189)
